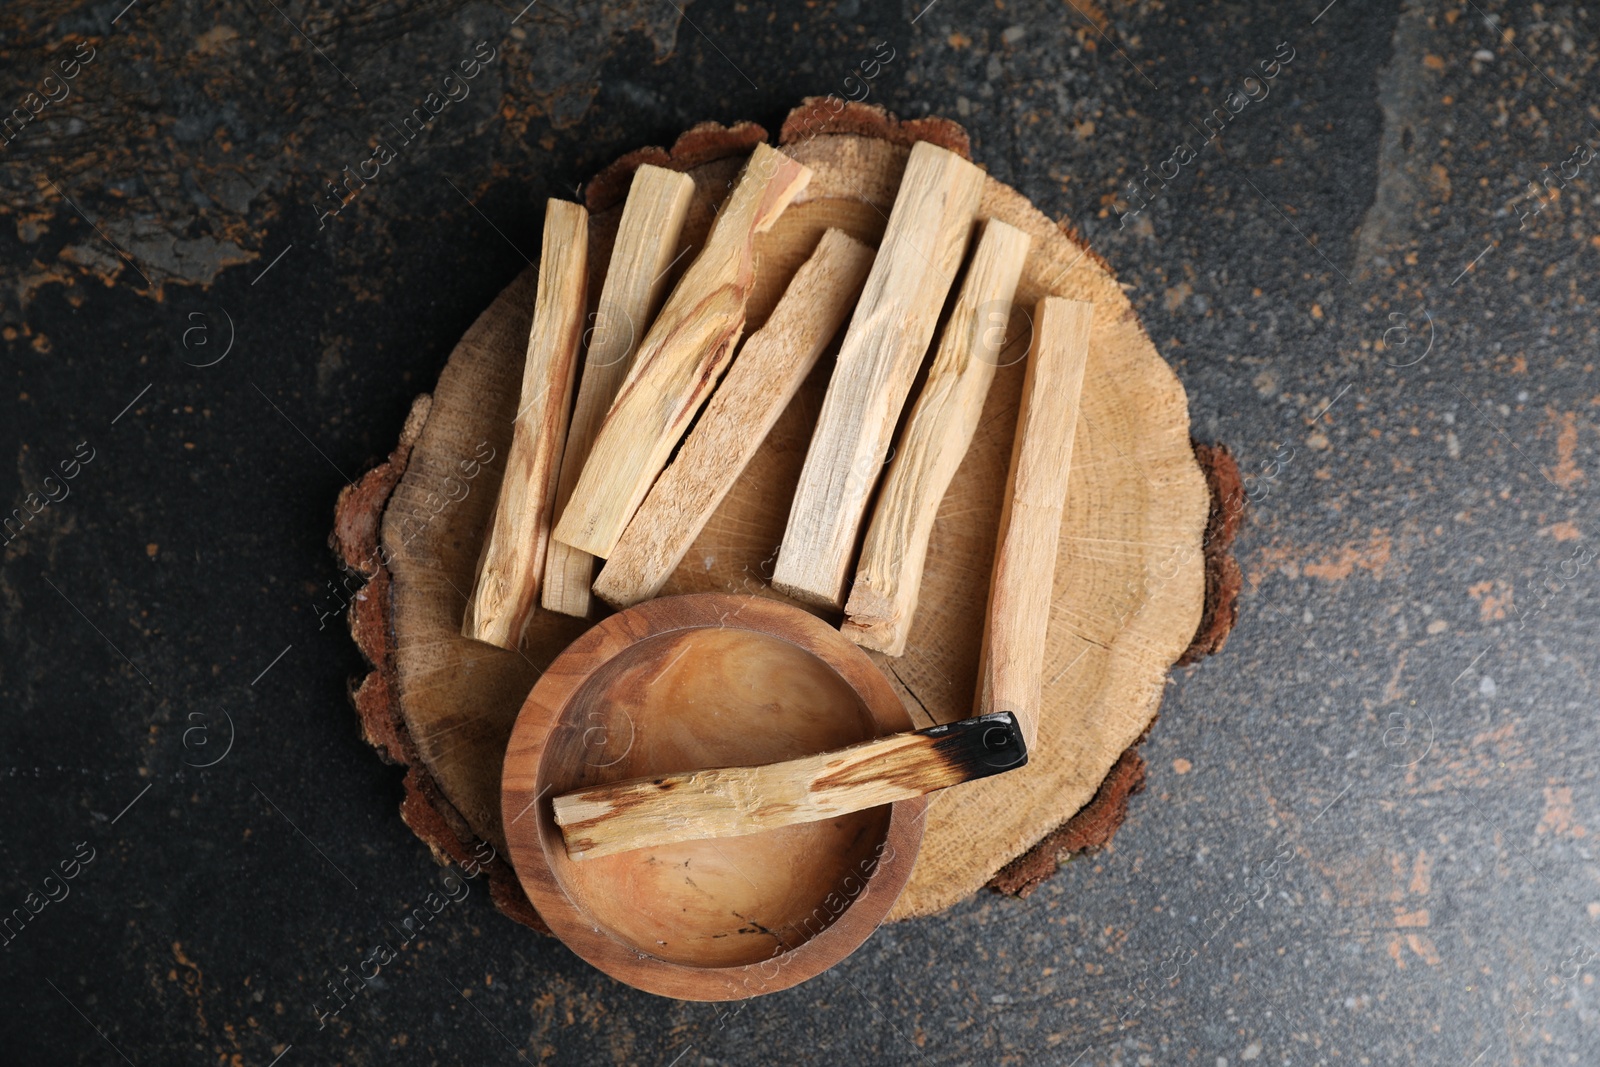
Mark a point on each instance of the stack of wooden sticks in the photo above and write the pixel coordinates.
(611, 475)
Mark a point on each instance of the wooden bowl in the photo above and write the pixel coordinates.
(681, 684)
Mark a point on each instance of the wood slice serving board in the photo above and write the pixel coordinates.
(1143, 578)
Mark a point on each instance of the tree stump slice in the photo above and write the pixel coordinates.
(1133, 578)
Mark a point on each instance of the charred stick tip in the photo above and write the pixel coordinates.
(981, 746)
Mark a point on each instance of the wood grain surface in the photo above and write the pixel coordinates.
(883, 597)
(505, 591)
(1112, 635)
(680, 359)
(665, 687)
(923, 243)
(646, 247)
(770, 368)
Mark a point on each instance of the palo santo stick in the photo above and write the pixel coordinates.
(764, 377)
(647, 236)
(505, 592)
(1012, 660)
(883, 347)
(680, 358)
(884, 596)
(734, 801)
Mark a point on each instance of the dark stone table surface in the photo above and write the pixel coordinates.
(1369, 832)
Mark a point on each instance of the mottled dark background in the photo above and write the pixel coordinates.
(1368, 836)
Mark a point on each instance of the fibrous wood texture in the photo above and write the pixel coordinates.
(505, 592)
(680, 358)
(883, 347)
(889, 574)
(737, 801)
(1011, 669)
(646, 244)
(769, 369)
(1130, 575)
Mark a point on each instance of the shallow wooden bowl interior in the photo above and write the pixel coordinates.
(686, 683)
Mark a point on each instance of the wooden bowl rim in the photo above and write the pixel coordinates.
(541, 711)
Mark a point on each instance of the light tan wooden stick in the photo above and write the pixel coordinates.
(647, 240)
(1020, 589)
(878, 360)
(505, 593)
(733, 801)
(764, 377)
(884, 596)
(679, 361)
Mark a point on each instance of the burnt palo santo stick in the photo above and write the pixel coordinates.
(734, 801)
(680, 359)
